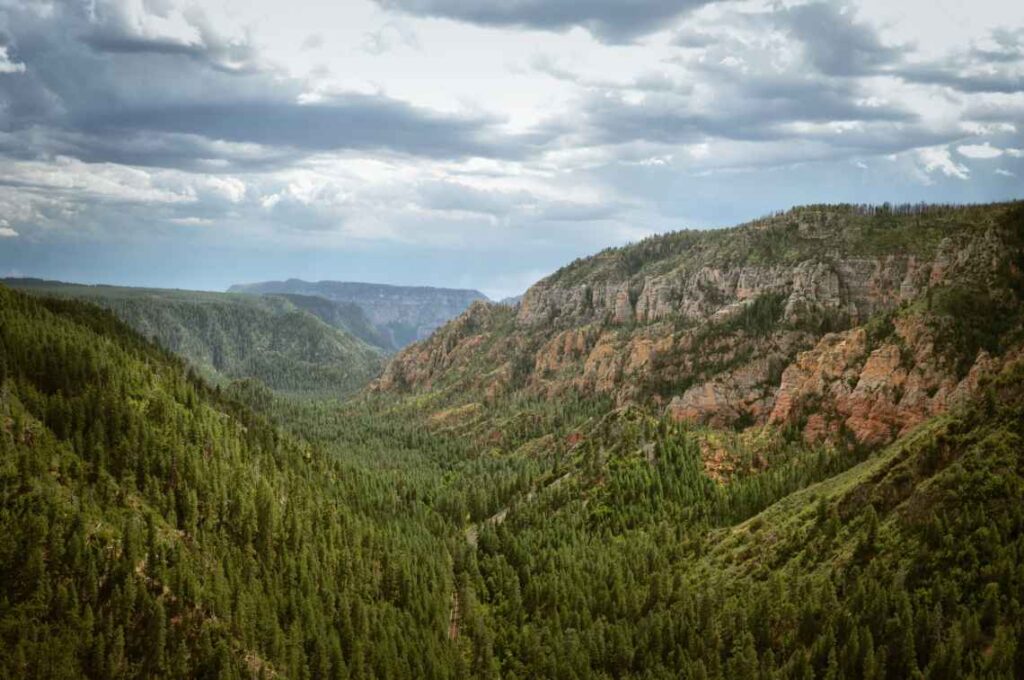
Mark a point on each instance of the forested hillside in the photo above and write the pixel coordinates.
(401, 314)
(346, 316)
(149, 527)
(530, 493)
(283, 342)
(731, 510)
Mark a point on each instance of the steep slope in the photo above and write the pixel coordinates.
(696, 427)
(840, 321)
(402, 314)
(345, 316)
(636, 564)
(150, 528)
(230, 337)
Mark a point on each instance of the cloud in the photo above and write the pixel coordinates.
(124, 84)
(512, 202)
(835, 43)
(938, 159)
(455, 196)
(762, 95)
(995, 68)
(979, 151)
(149, 119)
(804, 83)
(127, 26)
(231, 189)
(1004, 173)
(101, 182)
(6, 231)
(388, 37)
(963, 79)
(348, 121)
(609, 20)
(313, 41)
(8, 65)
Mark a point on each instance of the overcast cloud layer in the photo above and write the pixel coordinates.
(481, 144)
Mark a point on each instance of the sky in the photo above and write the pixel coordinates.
(475, 143)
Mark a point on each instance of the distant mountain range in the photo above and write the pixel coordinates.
(293, 344)
(400, 314)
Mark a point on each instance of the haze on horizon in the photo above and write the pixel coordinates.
(474, 144)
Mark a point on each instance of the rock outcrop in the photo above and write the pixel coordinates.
(762, 324)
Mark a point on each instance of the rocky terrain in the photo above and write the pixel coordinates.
(401, 314)
(839, 322)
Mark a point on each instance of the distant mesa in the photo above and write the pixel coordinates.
(400, 315)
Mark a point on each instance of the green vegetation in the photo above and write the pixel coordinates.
(152, 525)
(151, 528)
(345, 316)
(400, 314)
(904, 566)
(278, 340)
(797, 235)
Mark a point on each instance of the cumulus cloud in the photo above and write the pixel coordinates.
(192, 221)
(964, 78)
(167, 88)
(351, 121)
(752, 82)
(132, 26)
(938, 159)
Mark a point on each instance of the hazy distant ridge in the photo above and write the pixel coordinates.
(403, 314)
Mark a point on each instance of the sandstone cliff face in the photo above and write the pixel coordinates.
(728, 337)
(854, 288)
(472, 352)
(874, 395)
